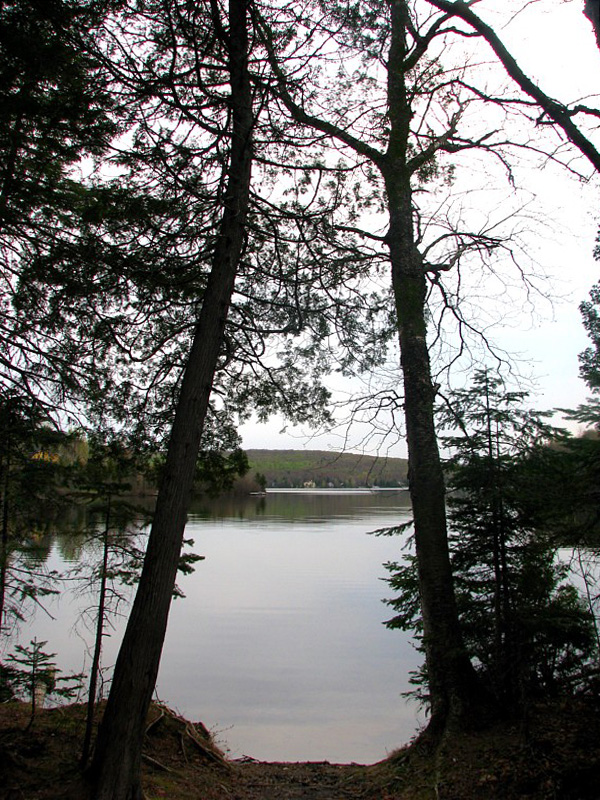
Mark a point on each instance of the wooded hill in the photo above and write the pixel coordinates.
(325, 469)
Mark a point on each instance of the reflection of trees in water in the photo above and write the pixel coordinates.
(28, 580)
(296, 506)
(72, 530)
(78, 533)
(39, 525)
(228, 506)
(69, 529)
(28, 586)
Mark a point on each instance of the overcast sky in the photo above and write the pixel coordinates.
(554, 42)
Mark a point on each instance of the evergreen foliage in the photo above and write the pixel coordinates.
(527, 629)
(589, 360)
(32, 673)
(56, 110)
(577, 465)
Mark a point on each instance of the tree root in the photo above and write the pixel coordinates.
(154, 763)
(187, 732)
(155, 722)
(209, 752)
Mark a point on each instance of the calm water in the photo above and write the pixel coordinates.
(279, 645)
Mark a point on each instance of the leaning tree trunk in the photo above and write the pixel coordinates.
(115, 771)
(453, 685)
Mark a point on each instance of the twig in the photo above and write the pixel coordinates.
(181, 741)
(156, 721)
(156, 763)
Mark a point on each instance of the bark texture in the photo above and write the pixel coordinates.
(115, 772)
(453, 682)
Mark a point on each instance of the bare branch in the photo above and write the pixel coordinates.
(556, 111)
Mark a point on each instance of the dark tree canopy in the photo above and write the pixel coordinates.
(589, 359)
(55, 110)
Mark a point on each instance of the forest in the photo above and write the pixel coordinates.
(207, 209)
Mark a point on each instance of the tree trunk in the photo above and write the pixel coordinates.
(592, 12)
(453, 684)
(95, 668)
(4, 486)
(115, 771)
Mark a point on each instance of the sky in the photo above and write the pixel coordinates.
(555, 45)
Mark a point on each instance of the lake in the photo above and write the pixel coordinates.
(279, 646)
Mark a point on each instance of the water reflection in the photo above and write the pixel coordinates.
(279, 642)
(284, 628)
(321, 505)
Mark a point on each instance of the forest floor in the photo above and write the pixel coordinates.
(553, 755)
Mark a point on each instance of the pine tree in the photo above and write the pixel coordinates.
(32, 673)
(589, 359)
(525, 627)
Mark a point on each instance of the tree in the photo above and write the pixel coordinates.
(192, 138)
(55, 111)
(114, 521)
(37, 675)
(104, 475)
(525, 626)
(135, 254)
(589, 360)
(144, 286)
(592, 12)
(410, 120)
(527, 631)
(579, 522)
(117, 758)
(560, 115)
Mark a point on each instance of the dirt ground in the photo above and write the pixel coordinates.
(554, 754)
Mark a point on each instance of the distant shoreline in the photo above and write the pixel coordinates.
(322, 470)
(341, 490)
